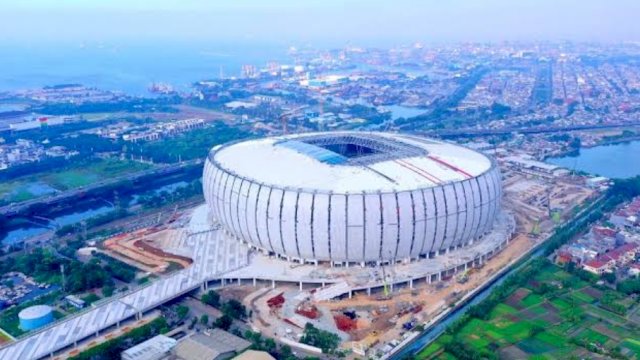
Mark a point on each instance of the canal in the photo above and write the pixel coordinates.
(22, 228)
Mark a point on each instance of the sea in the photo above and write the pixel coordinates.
(129, 67)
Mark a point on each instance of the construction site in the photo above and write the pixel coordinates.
(151, 250)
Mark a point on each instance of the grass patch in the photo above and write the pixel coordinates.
(582, 297)
(534, 346)
(532, 299)
(501, 310)
(71, 179)
(429, 351)
(552, 339)
(560, 304)
(477, 341)
(593, 336)
(80, 174)
(606, 315)
(632, 344)
(517, 331)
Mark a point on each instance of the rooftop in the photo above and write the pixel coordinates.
(208, 347)
(150, 349)
(35, 311)
(348, 161)
(254, 355)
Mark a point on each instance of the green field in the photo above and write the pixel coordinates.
(544, 322)
(86, 173)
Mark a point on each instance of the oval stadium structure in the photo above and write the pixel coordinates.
(352, 197)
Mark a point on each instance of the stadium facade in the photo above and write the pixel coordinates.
(352, 197)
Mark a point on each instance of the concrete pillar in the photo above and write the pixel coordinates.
(391, 287)
(239, 281)
(440, 276)
(350, 294)
(222, 282)
(254, 282)
(429, 279)
(411, 284)
(368, 291)
(273, 284)
(300, 285)
(323, 284)
(465, 266)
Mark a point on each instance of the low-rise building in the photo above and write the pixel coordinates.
(156, 348)
(254, 355)
(75, 301)
(214, 345)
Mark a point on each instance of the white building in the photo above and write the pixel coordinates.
(156, 348)
(352, 197)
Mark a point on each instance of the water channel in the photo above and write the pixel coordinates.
(27, 228)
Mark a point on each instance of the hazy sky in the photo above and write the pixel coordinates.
(359, 21)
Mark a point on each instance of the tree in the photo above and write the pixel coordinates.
(609, 277)
(235, 309)
(182, 312)
(107, 290)
(224, 322)
(322, 339)
(204, 319)
(211, 298)
(629, 286)
(270, 345)
(285, 352)
(194, 321)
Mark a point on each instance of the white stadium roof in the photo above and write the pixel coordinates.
(297, 161)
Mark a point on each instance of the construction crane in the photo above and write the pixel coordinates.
(285, 116)
(385, 286)
(284, 121)
(535, 229)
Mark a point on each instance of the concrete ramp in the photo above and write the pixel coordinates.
(331, 291)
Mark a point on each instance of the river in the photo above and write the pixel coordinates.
(619, 160)
(28, 228)
(399, 111)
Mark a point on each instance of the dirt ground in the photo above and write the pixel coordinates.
(142, 249)
(378, 320)
(435, 297)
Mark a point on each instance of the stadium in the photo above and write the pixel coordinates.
(352, 197)
(334, 214)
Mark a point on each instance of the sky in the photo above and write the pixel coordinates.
(366, 22)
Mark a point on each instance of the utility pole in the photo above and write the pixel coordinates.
(63, 278)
